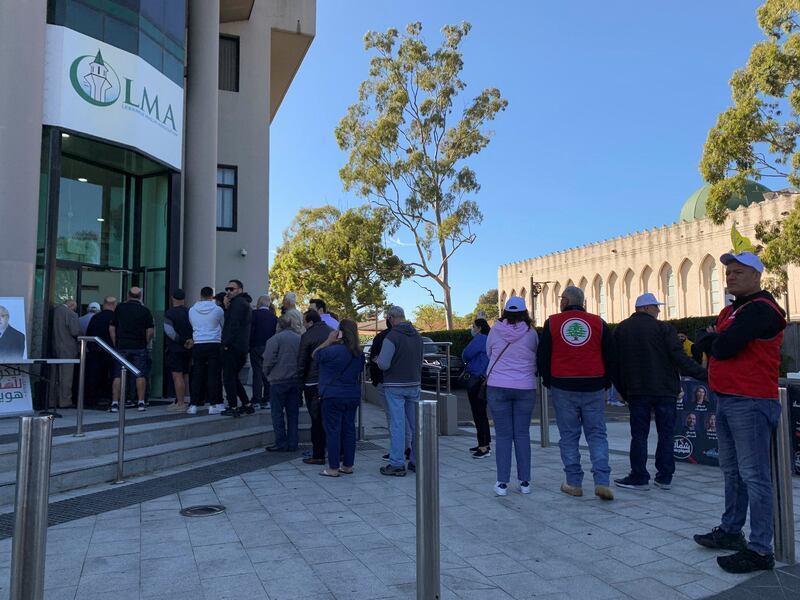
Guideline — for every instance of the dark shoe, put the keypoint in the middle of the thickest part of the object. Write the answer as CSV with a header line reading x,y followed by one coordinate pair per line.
x,y
664,485
393,471
230,412
722,540
275,449
481,453
746,561
631,484
408,453
412,467
248,409
314,461
385,456
475,449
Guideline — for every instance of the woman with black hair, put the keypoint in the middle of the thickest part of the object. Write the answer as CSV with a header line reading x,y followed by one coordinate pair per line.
x,y
341,363
475,363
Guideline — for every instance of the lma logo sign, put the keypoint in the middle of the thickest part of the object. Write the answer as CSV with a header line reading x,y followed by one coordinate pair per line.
x,y
96,82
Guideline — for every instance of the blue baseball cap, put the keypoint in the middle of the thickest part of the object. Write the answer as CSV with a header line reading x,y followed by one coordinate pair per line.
x,y
647,299
748,259
515,304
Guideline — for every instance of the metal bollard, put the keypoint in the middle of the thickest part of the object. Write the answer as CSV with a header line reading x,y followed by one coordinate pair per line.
x,y
781,463
426,448
123,380
30,508
544,417
81,391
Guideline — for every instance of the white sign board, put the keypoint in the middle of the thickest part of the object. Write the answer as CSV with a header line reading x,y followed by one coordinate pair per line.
x,y
15,392
96,88
12,329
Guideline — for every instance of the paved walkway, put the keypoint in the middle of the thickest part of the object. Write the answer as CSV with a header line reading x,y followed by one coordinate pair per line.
x,y
290,534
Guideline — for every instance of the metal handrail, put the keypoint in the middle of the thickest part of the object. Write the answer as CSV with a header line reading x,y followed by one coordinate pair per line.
x,y
126,366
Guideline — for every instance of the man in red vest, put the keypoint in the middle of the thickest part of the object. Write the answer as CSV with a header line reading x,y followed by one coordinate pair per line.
x,y
744,346
574,357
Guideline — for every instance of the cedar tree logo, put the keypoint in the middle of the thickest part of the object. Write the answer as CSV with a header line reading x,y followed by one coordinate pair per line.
x,y
576,331
95,80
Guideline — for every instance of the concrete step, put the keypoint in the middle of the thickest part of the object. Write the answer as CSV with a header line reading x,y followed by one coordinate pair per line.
x,y
91,460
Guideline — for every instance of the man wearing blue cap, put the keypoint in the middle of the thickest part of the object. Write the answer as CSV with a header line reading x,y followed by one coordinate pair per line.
x,y
650,360
744,348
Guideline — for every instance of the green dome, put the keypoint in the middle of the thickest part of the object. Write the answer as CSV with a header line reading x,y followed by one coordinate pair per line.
x,y
695,206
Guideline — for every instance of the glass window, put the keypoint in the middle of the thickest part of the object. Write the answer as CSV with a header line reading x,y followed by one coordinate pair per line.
x,y
151,51
601,300
155,195
713,289
669,286
229,63
122,35
226,198
173,68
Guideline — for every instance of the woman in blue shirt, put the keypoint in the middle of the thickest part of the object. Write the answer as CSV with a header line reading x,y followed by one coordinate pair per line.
x,y
476,361
341,364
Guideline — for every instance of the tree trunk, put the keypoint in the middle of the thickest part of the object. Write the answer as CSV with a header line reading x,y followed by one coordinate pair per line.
x,y
448,307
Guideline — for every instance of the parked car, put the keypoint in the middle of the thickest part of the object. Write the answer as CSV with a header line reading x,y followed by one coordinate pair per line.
x,y
434,363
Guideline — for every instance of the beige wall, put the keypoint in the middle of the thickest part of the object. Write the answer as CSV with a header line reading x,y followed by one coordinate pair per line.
x,y
641,262
244,119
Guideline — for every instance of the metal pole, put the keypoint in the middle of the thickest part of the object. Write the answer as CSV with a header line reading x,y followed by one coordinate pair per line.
x,y
783,508
360,428
123,379
81,391
30,508
544,417
427,456
447,371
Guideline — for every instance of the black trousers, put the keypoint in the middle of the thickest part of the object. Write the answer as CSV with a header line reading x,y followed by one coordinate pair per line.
x,y
232,362
477,402
314,406
98,378
260,383
205,374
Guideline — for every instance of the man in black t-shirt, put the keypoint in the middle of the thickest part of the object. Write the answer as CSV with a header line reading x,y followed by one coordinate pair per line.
x,y
99,363
131,330
178,331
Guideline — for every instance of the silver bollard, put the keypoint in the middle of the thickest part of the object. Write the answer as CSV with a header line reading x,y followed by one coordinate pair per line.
x,y
30,508
81,391
123,380
426,448
781,463
544,417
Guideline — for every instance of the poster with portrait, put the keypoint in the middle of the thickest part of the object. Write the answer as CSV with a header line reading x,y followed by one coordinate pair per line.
x,y
793,392
696,424
12,330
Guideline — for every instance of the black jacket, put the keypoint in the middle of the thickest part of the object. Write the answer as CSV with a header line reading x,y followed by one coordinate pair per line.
x,y
650,358
754,321
307,367
236,330
544,355
375,374
264,325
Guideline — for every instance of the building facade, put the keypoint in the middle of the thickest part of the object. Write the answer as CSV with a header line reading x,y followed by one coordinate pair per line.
x,y
679,263
135,147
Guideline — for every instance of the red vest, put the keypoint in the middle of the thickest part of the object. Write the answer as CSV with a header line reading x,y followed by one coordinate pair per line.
x,y
577,345
754,371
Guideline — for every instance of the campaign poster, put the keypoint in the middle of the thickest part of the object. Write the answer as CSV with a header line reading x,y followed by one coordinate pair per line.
x,y
793,391
15,392
13,345
696,424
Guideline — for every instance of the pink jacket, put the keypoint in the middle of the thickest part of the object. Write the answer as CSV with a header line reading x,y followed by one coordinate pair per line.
x,y
516,368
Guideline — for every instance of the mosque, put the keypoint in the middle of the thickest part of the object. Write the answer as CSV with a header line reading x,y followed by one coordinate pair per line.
x,y
679,263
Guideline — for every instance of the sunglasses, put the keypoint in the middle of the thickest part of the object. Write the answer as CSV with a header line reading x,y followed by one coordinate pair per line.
x,y
230,289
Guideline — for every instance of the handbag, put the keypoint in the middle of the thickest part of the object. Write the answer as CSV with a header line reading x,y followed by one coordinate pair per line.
x,y
486,378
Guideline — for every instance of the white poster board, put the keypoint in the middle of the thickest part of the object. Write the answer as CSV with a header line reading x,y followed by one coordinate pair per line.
x,y
15,392
96,88
13,346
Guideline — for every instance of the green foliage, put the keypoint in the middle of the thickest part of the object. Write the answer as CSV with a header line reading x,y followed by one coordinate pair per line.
x,y
488,304
338,256
429,316
757,137
489,297
407,147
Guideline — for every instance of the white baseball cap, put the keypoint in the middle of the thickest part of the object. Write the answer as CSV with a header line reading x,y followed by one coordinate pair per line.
x,y
94,307
515,304
647,299
748,259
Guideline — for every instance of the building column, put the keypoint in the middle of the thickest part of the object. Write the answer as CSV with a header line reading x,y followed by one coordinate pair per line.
x,y
22,46
200,143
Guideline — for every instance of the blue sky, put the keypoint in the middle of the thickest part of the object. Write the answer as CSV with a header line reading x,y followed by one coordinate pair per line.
x,y
609,106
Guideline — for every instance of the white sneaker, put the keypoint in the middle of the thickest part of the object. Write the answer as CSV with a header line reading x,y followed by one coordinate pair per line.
x,y
114,407
525,487
501,489
141,407
192,410
216,409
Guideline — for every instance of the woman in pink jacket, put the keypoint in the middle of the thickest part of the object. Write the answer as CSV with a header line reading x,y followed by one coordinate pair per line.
x,y
511,391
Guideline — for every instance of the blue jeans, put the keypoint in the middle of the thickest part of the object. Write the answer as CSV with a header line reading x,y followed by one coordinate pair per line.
x,y
285,396
744,428
400,402
576,411
640,409
511,411
339,420
387,412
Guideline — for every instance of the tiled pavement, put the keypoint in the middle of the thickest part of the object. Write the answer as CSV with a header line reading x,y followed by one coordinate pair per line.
x,y
290,534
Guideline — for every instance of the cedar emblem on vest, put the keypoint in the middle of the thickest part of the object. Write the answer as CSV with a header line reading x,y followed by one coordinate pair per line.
x,y
576,332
